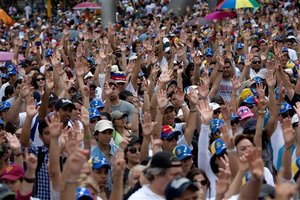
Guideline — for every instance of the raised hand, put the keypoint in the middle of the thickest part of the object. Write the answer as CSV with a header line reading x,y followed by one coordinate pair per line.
x,y
288,133
205,111
271,79
55,125
297,108
147,124
25,90
223,179
205,78
236,84
31,161
84,117
179,96
243,164
166,76
118,164
256,163
260,90
31,109
13,141
136,101
262,103
76,160
107,89
193,97
162,99
284,189
203,90
227,138
49,81
226,112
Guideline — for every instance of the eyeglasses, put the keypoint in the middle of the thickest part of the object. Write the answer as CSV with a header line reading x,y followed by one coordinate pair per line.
x,y
134,150
256,62
40,79
203,182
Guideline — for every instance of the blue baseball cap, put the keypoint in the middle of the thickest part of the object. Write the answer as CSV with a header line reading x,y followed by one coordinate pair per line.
x,y
48,52
250,100
257,80
93,113
241,60
182,151
1,122
284,49
239,46
205,40
215,124
4,105
285,107
233,116
96,104
11,70
83,192
218,147
99,162
4,76
209,52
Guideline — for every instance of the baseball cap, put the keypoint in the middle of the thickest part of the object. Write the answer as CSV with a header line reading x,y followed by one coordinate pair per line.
x,y
257,80
114,68
93,113
209,52
172,82
103,125
285,107
215,124
170,105
11,70
250,126
239,46
182,151
295,119
4,105
117,115
99,162
167,131
1,122
63,103
244,112
214,106
218,147
241,60
119,77
163,159
83,193
177,187
245,93
13,172
88,75
251,100
96,104
188,88
166,40
133,57
134,140
5,192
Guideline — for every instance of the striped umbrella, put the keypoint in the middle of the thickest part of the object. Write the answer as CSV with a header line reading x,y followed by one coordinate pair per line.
x,y
234,4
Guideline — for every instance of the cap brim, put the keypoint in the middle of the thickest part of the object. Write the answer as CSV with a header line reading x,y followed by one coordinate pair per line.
x,y
103,128
99,166
246,116
10,177
70,105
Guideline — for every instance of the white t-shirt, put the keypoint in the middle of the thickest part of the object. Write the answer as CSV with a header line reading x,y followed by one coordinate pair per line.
x,y
277,141
2,90
145,193
293,54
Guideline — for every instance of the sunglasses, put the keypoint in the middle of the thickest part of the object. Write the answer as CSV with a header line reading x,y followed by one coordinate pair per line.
x,y
134,150
203,182
40,79
256,62
235,121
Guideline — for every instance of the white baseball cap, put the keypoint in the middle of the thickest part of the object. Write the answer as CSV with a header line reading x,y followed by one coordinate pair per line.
x,y
214,106
295,119
103,125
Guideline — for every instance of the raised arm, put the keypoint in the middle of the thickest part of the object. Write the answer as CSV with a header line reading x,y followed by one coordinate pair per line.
x,y
29,178
15,146
85,120
297,109
135,118
162,104
45,98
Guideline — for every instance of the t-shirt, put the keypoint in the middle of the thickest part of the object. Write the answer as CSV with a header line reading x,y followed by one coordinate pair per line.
x,y
293,54
124,107
2,89
225,90
145,193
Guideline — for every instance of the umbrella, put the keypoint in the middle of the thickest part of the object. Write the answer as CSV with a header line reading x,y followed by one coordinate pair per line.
x,y
6,18
73,34
8,56
201,21
220,15
225,4
87,5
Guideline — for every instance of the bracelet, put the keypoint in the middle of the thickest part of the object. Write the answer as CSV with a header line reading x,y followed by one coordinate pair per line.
x,y
183,105
193,111
233,150
29,180
136,113
220,70
262,112
71,181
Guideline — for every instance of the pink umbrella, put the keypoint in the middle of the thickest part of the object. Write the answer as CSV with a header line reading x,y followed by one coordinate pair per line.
x,y
87,5
8,56
220,15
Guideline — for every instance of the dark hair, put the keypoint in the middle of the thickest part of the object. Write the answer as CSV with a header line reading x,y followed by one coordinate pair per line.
x,y
18,81
194,172
42,126
34,84
107,115
217,99
241,137
213,164
9,90
124,94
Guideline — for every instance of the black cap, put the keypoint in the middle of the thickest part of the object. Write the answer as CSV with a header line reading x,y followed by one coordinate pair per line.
x,y
250,126
63,103
134,140
177,187
164,159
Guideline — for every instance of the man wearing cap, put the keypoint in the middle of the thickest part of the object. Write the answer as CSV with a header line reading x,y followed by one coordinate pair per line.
x,y
163,168
184,154
100,172
13,75
181,188
104,148
116,104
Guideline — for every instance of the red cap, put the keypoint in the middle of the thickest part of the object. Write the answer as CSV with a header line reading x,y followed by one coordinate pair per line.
x,y
13,172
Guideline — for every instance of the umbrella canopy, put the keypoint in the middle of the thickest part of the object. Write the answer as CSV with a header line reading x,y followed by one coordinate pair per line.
x,y
194,21
87,5
73,34
9,56
6,18
234,4
220,15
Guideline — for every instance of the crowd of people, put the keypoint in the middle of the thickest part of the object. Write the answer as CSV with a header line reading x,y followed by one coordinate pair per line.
x,y
155,106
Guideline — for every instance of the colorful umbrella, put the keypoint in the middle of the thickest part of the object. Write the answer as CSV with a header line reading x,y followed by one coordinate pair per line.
x,y
87,5
6,18
237,4
220,15
8,56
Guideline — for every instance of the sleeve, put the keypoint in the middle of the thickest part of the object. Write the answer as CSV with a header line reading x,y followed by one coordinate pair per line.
x,y
183,141
277,142
130,112
268,177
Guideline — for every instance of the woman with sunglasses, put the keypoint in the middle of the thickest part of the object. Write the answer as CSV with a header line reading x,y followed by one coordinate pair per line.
x,y
38,83
119,120
199,177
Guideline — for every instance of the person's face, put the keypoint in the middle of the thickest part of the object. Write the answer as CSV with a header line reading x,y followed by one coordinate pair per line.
x,y
104,137
201,181
254,50
92,91
227,70
174,101
122,86
93,122
65,114
101,176
289,45
169,143
235,124
121,122
75,114
263,46
171,88
243,147
174,172
18,89
284,60
13,78
115,91
187,164
256,64
4,114
133,154
217,113
15,186
169,116
46,137
243,122
188,194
